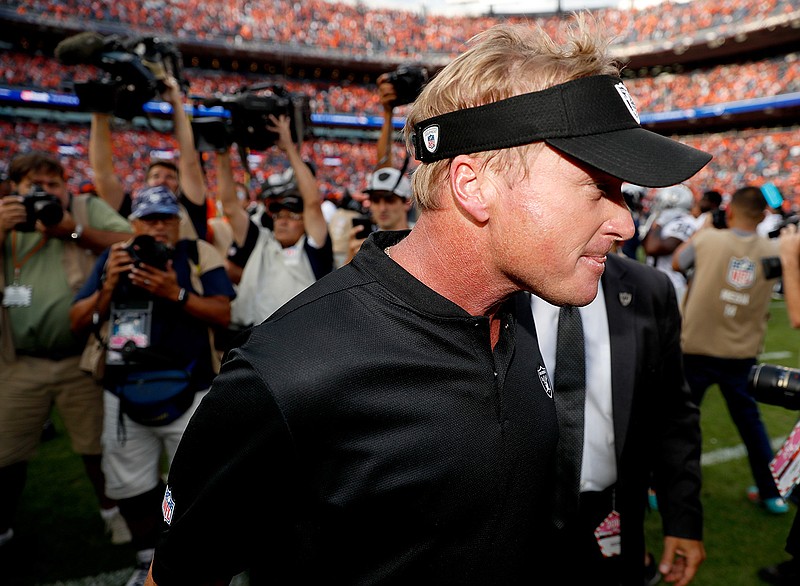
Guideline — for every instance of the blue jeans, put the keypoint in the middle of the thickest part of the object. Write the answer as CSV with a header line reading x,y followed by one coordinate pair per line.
x,y
731,376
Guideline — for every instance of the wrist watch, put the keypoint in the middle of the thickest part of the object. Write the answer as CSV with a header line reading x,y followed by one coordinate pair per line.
x,y
183,296
76,233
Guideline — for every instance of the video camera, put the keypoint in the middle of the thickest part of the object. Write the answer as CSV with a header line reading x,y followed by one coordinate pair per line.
x,y
250,108
40,205
775,385
408,81
135,70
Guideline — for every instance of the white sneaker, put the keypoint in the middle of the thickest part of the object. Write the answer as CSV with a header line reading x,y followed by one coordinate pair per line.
x,y
116,526
143,559
139,575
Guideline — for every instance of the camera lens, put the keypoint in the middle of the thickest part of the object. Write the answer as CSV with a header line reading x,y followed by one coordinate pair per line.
x,y
49,213
775,385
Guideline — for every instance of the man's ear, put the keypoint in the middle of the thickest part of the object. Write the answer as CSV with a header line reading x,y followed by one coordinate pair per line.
x,y
466,182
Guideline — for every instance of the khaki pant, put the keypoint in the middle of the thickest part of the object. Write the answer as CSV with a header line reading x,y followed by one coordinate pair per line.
x,y
29,387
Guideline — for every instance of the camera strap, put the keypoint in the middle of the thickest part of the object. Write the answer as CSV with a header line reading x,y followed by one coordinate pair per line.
x,y
402,172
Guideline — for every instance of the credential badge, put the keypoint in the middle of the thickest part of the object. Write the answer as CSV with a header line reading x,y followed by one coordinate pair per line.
x,y
545,380
628,100
431,138
625,298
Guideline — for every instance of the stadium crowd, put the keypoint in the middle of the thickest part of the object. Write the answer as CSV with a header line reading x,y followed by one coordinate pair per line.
x,y
335,169
740,157
665,92
351,29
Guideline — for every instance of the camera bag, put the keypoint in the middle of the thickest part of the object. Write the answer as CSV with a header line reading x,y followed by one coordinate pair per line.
x,y
156,397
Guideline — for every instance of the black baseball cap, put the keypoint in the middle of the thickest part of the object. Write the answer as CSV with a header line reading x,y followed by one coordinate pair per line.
x,y
592,119
290,202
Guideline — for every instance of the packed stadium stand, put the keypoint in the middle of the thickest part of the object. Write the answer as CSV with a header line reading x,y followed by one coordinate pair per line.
x,y
722,74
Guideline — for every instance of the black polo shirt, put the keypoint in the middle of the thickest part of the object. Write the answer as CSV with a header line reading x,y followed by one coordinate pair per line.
x,y
367,433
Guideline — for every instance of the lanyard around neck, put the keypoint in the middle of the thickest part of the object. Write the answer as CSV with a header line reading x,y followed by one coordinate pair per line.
x,y
18,264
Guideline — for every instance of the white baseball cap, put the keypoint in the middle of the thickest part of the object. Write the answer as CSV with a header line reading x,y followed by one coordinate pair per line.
x,y
391,180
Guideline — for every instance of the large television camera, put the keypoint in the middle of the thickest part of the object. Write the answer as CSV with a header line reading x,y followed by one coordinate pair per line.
x,y
250,108
135,70
775,385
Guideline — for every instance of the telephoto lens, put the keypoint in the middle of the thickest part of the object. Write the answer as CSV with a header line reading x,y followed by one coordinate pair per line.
x,y
775,385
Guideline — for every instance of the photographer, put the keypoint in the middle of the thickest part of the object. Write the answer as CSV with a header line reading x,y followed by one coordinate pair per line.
x,y
388,190
787,572
151,281
389,193
48,238
184,179
286,247
724,323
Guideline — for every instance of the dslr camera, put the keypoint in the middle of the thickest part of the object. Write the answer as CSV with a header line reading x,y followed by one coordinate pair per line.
x,y
250,108
775,385
135,70
144,249
408,81
40,205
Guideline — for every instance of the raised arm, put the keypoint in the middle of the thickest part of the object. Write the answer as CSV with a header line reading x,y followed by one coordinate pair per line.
x,y
226,192
313,220
192,182
108,185
387,95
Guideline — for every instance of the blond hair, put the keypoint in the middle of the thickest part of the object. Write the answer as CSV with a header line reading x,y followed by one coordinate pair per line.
x,y
504,61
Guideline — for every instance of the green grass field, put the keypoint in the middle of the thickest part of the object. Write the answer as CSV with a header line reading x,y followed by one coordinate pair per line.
x,y
60,535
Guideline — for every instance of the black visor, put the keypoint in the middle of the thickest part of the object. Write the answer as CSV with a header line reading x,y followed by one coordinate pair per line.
x,y
592,119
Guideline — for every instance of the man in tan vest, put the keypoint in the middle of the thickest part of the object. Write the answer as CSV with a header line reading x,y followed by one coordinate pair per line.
x,y
724,322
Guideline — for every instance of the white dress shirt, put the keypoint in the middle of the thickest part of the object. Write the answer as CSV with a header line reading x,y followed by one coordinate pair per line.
x,y
599,465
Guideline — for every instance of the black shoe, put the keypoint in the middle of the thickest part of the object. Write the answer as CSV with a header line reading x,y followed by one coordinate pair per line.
x,y
651,574
48,431
784,574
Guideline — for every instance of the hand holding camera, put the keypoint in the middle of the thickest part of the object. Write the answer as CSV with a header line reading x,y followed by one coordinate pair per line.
x,y
407,82
144,263
789,246
12,213
386,92
281,125
24,212
172,93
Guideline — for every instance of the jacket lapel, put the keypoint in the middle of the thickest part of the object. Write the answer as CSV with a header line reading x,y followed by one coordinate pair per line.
x,y
620,297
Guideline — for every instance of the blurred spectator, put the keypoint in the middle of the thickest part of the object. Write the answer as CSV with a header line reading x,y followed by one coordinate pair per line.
x,y
670,223
44,259
351,29
184,178
724,322
159,336
283,248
